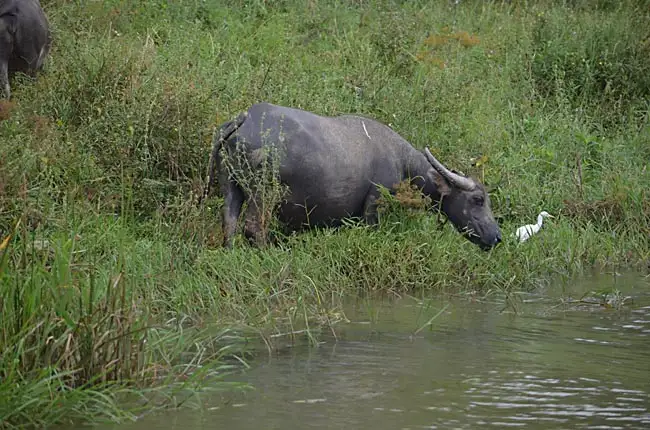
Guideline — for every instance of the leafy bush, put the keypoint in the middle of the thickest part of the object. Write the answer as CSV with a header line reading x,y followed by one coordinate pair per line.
x,y
594,59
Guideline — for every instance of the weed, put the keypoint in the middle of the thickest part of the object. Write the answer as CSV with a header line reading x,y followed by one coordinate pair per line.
x,y
257,173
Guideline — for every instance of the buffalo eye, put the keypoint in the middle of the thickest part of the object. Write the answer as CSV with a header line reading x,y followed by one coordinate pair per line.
x,y
479,201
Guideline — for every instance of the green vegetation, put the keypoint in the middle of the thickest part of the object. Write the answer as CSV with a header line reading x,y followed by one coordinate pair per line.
x,y
114,290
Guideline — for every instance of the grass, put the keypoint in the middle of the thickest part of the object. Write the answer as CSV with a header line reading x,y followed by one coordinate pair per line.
x,y
115,296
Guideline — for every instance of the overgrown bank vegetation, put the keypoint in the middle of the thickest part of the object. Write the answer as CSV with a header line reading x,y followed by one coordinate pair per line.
x,y
112,279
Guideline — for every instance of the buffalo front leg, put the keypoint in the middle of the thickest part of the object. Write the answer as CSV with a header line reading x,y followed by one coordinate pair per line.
x,y
232,203
6,49
370,214
4,77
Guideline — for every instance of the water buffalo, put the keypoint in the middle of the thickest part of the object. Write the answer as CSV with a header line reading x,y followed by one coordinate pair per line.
x,y
330,166
25,39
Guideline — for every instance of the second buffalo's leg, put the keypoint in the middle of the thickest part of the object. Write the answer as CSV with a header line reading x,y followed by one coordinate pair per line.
x,y
6,48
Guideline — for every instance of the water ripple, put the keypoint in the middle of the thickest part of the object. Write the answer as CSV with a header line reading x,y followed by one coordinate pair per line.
x,y
475,367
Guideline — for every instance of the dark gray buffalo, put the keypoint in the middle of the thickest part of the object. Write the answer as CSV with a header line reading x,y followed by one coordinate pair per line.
x,y
330,166
24,39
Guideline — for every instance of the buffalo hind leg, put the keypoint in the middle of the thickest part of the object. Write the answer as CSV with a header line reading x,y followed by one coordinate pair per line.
x,y
232,203
254,231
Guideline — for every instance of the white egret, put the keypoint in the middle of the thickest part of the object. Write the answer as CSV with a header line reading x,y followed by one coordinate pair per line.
x,y
526,231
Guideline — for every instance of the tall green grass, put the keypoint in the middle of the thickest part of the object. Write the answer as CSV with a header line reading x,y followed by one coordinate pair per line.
x,y
115,296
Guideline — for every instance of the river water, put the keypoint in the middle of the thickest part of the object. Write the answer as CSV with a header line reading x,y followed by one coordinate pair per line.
x,y
477,365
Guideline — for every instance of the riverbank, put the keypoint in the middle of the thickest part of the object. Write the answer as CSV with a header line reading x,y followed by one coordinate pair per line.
x,y
113,283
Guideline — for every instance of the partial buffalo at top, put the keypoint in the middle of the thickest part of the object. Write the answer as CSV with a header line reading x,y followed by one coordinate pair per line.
x,y
25,39
331,167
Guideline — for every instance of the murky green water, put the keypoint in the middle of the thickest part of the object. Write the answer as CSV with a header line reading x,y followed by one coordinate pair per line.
x,y
549,367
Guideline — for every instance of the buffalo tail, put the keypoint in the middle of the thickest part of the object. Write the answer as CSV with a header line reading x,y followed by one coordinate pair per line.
x,y
225,131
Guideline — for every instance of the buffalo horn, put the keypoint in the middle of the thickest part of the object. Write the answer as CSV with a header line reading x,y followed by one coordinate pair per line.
x,y
456,179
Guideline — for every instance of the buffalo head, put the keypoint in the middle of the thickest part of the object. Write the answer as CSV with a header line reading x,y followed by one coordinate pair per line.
x,y
467,206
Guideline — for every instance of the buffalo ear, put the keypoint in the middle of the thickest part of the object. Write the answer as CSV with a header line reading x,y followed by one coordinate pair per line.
x,y
442,185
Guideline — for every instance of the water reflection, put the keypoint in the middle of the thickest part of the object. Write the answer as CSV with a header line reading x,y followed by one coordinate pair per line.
x,y
474,367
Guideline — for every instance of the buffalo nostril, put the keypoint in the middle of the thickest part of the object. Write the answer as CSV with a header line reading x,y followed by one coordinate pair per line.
x,y
497,239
